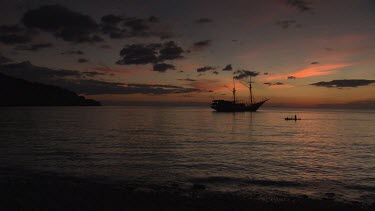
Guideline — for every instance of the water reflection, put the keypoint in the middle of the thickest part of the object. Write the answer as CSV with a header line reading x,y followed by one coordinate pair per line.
x,y
326,150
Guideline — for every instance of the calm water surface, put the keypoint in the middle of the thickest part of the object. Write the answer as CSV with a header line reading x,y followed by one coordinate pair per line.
x,y
329,151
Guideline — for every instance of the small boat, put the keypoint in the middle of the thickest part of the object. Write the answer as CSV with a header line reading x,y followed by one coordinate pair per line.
x,y
292,118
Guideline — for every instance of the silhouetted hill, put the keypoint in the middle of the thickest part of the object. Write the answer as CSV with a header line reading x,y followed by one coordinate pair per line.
x,y
18,92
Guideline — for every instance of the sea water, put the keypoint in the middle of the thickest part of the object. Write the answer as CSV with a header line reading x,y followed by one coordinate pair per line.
x,y
329,153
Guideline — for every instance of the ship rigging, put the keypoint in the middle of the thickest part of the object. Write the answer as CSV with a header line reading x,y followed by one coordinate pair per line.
x,y
234,106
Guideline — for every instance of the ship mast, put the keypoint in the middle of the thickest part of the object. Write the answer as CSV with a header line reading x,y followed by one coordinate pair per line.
x,y
251,92
251,99
233,91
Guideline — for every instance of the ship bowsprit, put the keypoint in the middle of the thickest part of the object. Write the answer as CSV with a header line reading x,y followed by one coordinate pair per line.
x,y
255,106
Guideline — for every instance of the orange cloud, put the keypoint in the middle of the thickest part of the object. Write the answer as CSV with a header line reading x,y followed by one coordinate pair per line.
x,y
310,71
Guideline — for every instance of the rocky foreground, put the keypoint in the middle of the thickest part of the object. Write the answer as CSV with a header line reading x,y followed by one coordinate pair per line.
x,y
25,190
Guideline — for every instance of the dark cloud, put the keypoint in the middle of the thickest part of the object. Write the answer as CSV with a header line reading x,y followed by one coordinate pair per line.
x,y
77,82
15,34
111,19
274,84
138,54
8,29
301,5
153,19
147,27
72,52
314,62
201,44
156,89
241,74
162,67
14,39
344,83
4,60
63,23
151,53
114,32
137,26
95,87
110,25
203,20
93,74
291,77
102,67
166,35
205,69
170,51
82,60
33,47
118,27
187,79
228,68
27,71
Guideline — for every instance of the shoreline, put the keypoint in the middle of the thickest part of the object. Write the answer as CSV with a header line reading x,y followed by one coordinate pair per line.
x,y
25,190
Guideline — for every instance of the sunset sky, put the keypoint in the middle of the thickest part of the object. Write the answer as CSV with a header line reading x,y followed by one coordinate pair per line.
x,y
119,51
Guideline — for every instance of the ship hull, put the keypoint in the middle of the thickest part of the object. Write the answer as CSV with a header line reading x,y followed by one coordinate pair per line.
x,y
228,106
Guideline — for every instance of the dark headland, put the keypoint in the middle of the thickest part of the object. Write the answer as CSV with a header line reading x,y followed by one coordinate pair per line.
x,y
19,92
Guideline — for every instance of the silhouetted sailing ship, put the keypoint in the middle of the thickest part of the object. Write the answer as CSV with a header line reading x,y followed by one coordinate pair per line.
x,y
234,106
